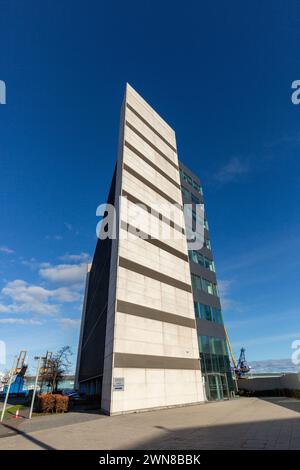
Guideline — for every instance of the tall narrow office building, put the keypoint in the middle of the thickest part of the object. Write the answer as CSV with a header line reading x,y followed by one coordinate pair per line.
x,y
138,343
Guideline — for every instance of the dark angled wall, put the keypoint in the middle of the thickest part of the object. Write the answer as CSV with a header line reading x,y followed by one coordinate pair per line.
x,y
93,338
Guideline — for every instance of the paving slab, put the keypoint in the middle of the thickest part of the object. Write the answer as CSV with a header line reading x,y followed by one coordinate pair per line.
x,y
244,423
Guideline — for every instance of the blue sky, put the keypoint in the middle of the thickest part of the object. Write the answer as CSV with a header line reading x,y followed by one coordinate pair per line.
x,y
220,73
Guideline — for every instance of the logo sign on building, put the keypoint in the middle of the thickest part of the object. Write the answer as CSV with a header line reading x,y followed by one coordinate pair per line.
x,y
118,384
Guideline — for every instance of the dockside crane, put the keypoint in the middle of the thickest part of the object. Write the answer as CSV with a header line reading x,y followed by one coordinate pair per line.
x,y
241,368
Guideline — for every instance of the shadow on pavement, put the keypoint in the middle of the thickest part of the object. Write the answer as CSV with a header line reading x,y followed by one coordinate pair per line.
x,y
289,403
30,438
275,434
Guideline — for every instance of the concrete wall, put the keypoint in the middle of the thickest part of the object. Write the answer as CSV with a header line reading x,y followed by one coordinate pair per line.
x,y
259,384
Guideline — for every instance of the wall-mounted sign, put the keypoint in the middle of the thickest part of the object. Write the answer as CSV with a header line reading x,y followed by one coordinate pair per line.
x,y
118,384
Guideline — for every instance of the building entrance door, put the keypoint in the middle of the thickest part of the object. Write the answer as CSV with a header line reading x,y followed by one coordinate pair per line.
x,y
217,386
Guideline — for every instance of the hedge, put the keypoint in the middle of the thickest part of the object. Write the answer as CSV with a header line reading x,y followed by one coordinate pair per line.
x,y
61,403
50,403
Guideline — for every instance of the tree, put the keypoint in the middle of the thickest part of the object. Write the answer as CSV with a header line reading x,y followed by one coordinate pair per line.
x,y
4,378
56,368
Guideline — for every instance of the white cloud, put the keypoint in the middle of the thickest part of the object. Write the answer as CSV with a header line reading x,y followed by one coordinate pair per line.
x,y
274,365
54,237
4,308
69,226
6,250
29,298
224,287
81,257
232,170
19,321
65,273
21,291
268,339
34,264
65,294
69,322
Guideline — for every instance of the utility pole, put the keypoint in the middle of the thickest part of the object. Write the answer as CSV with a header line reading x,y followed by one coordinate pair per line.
x,y
11,374
39,358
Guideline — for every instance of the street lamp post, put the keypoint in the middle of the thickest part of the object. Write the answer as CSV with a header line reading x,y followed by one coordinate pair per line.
x,y
39,358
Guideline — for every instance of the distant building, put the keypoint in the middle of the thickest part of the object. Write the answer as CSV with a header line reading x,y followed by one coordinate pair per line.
x,y
66,383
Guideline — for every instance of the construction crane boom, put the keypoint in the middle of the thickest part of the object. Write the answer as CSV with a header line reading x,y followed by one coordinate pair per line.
x,y
230,349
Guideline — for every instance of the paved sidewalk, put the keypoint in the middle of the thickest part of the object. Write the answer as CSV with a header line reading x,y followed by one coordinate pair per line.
x,y
2,404
245,423
13,426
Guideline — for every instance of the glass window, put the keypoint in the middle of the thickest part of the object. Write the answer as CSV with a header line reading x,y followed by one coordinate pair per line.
x,y
203,284
214,363
189,179
207,312
217,315
207,286
196,282
206,263
207,244
193,183
204,344
195,199
217,346
185,192
197,306
198,258
196,186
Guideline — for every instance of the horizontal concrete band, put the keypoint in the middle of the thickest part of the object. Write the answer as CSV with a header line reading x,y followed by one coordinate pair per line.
x,y
150,163
149,209
210,328
95,377
154,241
203,272
150,185
143,361
206,299
206,252
144,271
151,127
156,149
154,314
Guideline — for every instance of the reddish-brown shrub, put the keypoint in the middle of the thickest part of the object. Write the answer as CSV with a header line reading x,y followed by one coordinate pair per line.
x,y
61,403
46,403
